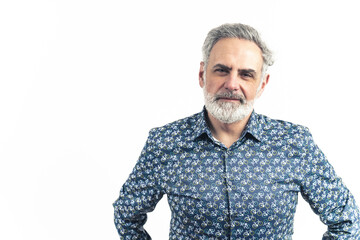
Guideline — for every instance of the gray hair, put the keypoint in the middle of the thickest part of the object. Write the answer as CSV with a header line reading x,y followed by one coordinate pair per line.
x,y
241,31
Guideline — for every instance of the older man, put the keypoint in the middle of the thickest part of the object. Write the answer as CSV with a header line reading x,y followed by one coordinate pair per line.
x,y
228,172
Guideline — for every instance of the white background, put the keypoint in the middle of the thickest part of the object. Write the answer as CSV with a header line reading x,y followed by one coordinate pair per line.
x,y
82,83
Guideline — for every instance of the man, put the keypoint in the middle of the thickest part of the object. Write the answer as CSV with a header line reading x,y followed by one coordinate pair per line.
x,y
228,172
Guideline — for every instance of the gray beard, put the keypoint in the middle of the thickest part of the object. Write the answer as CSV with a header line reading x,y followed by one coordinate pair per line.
x,y
227,112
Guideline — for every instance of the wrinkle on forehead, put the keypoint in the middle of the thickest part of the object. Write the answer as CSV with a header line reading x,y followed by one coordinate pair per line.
x,y
237,54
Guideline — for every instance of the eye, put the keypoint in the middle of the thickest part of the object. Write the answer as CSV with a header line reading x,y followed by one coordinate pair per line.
x,y
247,75
221,71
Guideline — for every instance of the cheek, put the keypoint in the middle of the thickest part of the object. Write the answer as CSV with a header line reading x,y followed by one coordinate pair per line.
x,y
249,92
211,88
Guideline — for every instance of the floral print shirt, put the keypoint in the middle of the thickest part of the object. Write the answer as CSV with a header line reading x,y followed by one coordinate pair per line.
x,y
247,191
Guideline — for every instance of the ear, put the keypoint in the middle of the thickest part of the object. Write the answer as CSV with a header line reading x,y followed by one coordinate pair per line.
x,y
263,85
201,75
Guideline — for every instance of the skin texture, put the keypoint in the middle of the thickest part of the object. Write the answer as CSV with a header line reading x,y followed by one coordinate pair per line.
x,y
234,66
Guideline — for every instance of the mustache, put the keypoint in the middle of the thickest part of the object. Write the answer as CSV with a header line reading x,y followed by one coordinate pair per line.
x,y
237,96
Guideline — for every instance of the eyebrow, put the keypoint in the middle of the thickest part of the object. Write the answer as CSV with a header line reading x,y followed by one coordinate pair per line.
x,y
248,70
222,66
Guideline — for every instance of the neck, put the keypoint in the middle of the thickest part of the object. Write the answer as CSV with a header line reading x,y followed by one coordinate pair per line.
x,y
227,133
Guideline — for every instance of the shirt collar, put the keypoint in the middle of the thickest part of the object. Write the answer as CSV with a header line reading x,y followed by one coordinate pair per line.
x,y
254,126
201,126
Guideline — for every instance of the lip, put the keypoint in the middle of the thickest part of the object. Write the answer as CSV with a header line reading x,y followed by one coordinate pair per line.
x,y
229,99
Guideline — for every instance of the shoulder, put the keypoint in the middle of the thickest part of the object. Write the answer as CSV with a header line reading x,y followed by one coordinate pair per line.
x,y
181,128
274,128
291,138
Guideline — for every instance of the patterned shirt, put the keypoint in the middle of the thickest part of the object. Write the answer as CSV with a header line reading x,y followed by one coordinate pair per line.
x,y
247,191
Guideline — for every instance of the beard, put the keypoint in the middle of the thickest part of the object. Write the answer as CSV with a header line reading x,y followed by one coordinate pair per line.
x,y
227,112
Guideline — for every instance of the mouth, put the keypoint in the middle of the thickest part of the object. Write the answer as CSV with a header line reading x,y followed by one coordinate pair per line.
x,y
229,99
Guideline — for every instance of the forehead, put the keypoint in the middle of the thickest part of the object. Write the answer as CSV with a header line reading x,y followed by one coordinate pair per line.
x,y
236,52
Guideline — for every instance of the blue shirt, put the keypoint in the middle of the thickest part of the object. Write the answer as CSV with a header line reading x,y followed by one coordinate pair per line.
x,y
247,191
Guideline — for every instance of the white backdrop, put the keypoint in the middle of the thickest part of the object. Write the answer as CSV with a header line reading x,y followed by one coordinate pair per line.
x,y
82,83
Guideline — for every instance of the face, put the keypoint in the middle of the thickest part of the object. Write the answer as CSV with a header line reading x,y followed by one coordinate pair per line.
x,y
233,79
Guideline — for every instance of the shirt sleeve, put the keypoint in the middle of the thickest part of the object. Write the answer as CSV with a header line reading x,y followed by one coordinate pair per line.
x,y
328,196
138,196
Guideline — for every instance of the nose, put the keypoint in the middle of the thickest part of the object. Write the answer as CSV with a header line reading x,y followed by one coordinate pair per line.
x,y
232,83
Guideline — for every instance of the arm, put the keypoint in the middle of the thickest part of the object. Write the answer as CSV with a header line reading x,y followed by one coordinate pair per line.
x,y
328,196
138,196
